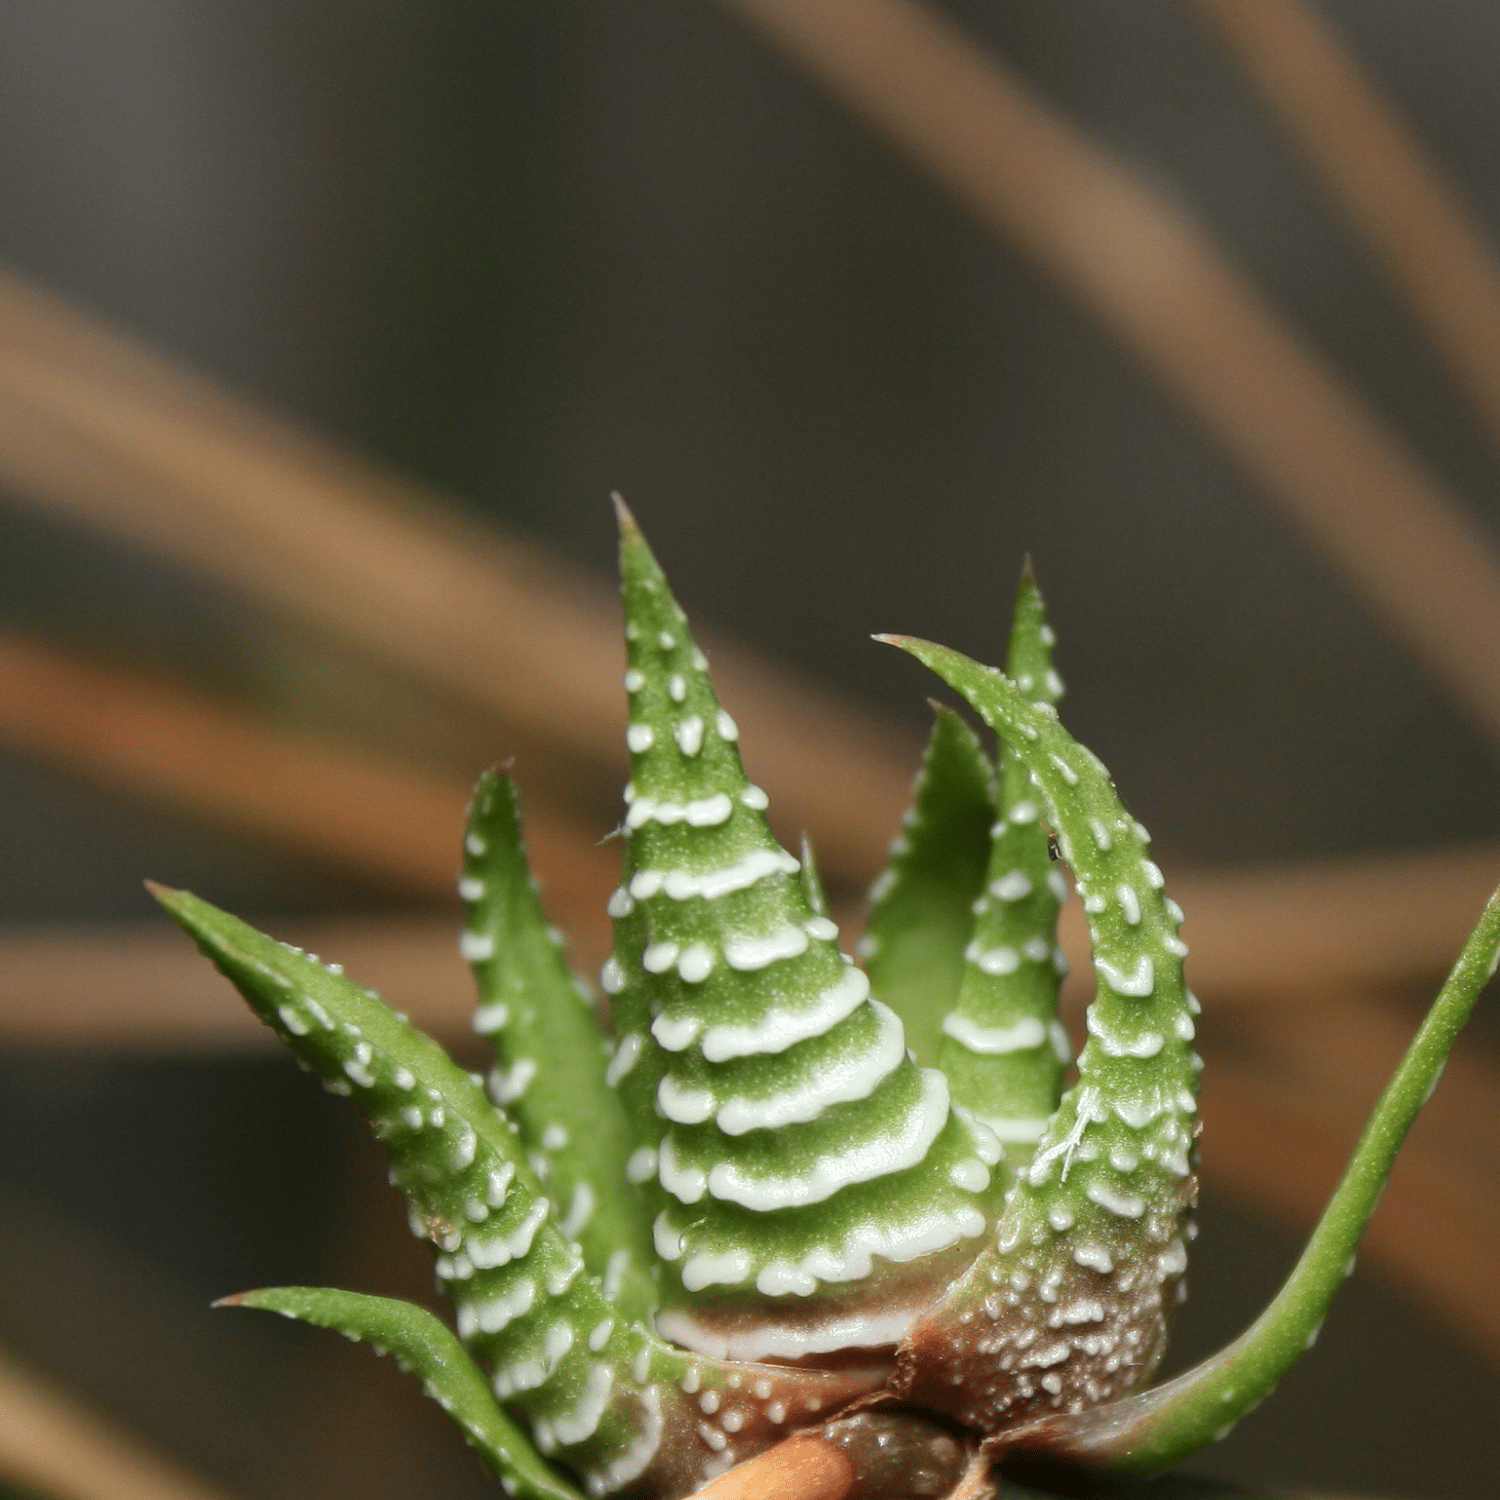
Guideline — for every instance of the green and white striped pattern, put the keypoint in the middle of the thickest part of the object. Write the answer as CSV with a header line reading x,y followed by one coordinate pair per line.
x,y
550,1052
603,1394
1003,1049
1068,1308
811,1185
758,1146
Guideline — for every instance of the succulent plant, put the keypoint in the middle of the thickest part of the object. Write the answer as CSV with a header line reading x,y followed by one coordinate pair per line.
x,y
871,1245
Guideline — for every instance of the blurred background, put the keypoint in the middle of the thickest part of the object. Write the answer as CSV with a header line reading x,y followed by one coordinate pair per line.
x,y
467,267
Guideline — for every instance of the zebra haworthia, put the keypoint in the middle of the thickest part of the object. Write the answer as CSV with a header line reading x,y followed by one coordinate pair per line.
x,y
811,1187
754,1212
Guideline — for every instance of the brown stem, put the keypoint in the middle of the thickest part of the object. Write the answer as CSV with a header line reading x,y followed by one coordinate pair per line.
x,y
805,1467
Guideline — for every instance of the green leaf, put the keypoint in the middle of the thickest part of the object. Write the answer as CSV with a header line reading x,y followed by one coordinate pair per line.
x,y
550,1052
923,916
793,1153
1150,1431
558,1349
600,1391
1096,1221
429,1349
1003,1048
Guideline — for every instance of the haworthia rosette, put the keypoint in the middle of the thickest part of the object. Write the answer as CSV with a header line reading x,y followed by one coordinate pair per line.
x,y
1004,1050
611,1400
811,1190
550,1052
922,905
811,1183
1069,1307
428,1348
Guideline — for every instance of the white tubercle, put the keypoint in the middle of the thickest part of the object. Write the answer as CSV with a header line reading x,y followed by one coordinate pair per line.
x,y
1139,982
634,681
1125,1205
752,796
749,953
696,963
1015,1129
994,1040
685,1182
766,1340
676,1033
580,1210
682,1103
689,734
931,1230
702,812
508,1084
582,1420
677,687
887,1153
1061,1043
681,885
1000,960
840,1082
659,957
779,1028
627,1054
641,1165
728,1268
499,1312
1012,886
476,946
728,729
491,1017
636,1459
639,737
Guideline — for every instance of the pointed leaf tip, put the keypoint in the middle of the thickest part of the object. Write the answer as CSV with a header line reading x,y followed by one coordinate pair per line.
x,y
623,515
